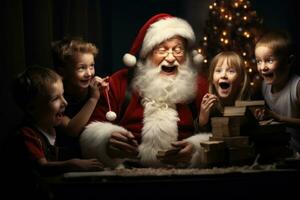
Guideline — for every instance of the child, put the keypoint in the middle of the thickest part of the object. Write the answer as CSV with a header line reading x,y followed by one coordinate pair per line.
x,y
39,93
280,87
228,82
74,61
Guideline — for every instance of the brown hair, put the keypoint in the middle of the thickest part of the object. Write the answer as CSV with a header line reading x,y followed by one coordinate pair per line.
x,y
65,51
233,60
33,82
279,41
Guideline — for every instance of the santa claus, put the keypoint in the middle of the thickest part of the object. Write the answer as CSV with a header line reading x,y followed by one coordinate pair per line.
x,y
152,103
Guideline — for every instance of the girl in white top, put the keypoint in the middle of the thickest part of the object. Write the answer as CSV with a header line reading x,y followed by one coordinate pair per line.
x,y
281,87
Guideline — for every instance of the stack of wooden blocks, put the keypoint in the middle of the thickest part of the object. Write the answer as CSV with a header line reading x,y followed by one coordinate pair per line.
x,y
227,129
214,153
230,146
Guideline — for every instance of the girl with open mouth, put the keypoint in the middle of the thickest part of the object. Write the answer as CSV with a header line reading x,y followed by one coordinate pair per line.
x,y
228,82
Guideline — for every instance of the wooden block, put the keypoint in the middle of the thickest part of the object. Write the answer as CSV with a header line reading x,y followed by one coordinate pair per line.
x,y
169,152
225,126
210,158
249,103
237,141
241,155
213,145
234,111
220,126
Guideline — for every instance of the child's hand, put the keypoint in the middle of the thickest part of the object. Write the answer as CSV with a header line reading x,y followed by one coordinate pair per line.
x,y
98,84
265,114
208,101
85,164
259,114
104,83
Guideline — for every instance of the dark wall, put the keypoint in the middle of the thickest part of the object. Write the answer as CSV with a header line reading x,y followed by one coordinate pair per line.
x,y
284,15
127,17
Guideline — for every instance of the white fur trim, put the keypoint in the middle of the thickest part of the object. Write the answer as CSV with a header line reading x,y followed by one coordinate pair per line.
x,y
129,60
195,140
159,131
165,29
93,142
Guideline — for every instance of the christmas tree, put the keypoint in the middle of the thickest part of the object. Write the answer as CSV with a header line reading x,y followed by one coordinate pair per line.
x,y
232,25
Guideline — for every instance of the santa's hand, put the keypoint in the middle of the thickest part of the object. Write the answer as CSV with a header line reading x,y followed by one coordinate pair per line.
x,y
182,155
122,145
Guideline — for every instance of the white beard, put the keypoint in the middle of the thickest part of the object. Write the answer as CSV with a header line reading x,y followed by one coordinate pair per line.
x,y
150,84
159,97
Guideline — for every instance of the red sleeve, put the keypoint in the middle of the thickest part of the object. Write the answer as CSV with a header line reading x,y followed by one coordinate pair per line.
x,y
33,143
117,88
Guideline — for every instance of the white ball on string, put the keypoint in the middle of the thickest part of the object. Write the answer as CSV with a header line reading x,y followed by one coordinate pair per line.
x,y
111,116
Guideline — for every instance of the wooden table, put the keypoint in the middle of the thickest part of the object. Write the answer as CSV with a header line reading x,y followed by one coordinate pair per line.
x,y
217,183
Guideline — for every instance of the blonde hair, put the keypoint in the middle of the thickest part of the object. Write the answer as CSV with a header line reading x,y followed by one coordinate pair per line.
x,y
65,51
233,60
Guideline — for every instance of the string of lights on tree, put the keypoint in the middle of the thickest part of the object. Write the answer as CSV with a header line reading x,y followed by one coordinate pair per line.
x,y
232,25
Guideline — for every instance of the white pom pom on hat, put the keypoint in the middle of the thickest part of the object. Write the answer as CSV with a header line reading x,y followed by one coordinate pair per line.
x,y
129,60
157,29
197,57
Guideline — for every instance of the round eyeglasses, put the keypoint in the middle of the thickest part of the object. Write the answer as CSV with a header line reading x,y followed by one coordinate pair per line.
x,y
176,52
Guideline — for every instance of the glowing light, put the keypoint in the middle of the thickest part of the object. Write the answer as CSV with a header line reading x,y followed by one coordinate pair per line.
x,y
246,34
244,53
205,60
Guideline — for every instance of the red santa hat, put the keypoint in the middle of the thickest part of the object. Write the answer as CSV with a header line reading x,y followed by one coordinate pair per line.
x,y
156,30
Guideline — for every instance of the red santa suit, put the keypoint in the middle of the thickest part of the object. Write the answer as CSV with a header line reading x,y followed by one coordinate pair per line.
x,y
155,125
132,119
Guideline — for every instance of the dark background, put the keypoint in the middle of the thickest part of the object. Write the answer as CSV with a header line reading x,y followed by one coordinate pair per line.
x,y
29,26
